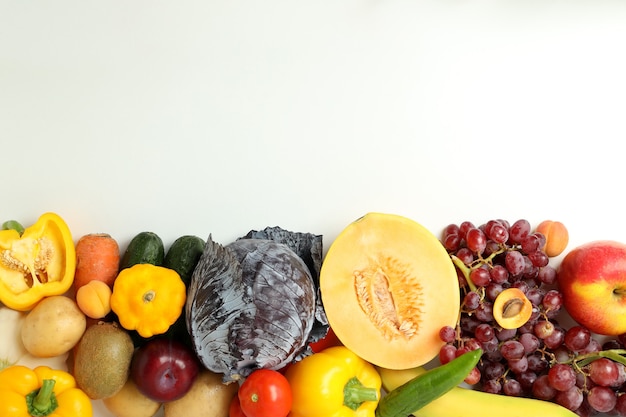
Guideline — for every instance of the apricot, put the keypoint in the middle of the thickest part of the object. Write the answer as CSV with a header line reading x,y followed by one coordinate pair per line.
x,y
557,237
94,299
511,308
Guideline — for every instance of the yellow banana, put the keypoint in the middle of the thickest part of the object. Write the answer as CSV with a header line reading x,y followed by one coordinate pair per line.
x,y
459,402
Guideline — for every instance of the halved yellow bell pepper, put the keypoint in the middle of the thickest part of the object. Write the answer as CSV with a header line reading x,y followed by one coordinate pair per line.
x,y
41,392
334,383
148,298
38,263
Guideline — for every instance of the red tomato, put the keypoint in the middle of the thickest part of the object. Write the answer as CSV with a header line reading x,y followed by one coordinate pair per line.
x,y
327,341
235,408
265,393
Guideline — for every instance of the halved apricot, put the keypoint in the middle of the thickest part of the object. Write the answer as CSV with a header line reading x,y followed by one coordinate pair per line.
x,y
511,308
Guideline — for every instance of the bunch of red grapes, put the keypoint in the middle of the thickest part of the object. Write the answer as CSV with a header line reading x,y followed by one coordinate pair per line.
x,y
543,358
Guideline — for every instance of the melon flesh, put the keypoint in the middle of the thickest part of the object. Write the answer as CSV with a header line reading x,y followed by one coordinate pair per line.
x,y
388,286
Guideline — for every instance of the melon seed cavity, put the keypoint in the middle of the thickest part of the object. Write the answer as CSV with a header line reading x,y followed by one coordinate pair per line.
x,y
390,298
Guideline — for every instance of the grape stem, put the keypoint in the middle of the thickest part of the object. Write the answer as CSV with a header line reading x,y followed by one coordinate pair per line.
x,y
466,270
613,354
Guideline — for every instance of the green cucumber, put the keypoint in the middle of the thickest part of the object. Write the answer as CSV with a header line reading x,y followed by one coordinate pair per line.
x,y
421,390
144,248
183,255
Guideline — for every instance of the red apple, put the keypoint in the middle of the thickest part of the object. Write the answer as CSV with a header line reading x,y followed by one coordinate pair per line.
x,y
592,279
164,369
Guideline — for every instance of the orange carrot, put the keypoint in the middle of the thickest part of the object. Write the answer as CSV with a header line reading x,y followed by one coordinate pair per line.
x,y
97,258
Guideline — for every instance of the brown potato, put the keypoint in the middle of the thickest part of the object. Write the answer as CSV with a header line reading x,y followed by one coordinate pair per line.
x,y
208,397
53,327
130,402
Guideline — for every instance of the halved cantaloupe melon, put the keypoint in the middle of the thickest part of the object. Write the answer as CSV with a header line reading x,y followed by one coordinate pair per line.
x,y
388,286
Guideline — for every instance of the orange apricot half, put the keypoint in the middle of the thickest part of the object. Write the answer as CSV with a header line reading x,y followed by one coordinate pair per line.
x,y
512,309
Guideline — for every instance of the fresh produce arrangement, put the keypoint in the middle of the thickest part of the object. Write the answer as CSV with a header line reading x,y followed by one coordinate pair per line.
x,y
393,321
512,304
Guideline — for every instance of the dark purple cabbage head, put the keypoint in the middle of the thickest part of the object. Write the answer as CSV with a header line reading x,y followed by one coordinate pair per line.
x,y
250,305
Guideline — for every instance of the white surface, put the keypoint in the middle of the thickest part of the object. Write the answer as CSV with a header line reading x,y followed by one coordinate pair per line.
x,y
224,116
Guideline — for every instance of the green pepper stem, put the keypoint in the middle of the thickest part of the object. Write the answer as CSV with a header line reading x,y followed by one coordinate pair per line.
x,y
14,225
355,394
42,401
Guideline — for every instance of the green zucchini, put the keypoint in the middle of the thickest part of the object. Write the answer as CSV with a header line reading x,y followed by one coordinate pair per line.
x,y
144,248
421,390
183,255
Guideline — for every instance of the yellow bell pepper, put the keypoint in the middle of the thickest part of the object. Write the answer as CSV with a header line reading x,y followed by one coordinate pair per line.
x,y
334,383
148,298
37,263
41,392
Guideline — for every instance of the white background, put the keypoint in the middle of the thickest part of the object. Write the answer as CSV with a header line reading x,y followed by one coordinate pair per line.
x,y
217,117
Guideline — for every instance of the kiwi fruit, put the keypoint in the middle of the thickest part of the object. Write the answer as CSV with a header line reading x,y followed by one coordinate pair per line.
x,y
101,360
